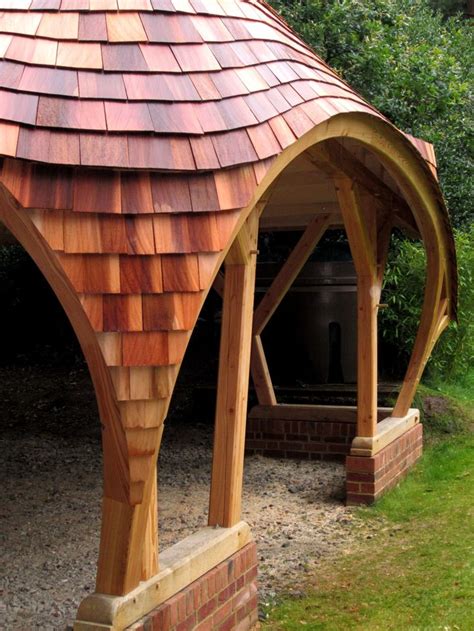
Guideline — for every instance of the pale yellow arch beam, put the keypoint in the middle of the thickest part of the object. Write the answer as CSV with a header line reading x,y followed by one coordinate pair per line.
x,y
421,191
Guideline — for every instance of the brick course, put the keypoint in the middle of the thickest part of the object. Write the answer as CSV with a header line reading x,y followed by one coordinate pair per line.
x,y
301,440
367,478
224,599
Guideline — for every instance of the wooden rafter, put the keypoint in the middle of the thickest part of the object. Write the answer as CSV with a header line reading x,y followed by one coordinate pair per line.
x,y
334,159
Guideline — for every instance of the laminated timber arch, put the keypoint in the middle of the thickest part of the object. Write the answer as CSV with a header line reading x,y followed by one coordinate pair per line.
x,y
421,191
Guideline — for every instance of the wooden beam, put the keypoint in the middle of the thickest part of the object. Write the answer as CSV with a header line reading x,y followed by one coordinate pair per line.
x,y
150,543
367,371
295,221
320,413
290,270
333,158
180,565
384,234
262,380
360,222
388,430
432,323
232,389
360,227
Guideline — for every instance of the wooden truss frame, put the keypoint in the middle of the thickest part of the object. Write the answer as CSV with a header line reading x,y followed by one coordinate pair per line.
x,y
128,548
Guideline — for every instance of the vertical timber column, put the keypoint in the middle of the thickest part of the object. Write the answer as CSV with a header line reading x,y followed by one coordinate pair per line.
x,y
367,369
234,367
361,227
128,550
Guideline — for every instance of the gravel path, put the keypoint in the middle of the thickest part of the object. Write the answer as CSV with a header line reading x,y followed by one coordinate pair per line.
x,y
50,513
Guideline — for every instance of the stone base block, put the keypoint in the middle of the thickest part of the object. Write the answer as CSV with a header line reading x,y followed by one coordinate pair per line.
x,y
223,599
369,477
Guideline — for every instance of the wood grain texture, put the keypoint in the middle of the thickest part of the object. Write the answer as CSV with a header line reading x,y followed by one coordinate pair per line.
x,y
234,362
361,228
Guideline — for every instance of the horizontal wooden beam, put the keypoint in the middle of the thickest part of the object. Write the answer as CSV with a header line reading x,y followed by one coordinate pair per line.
x,y
388,430
296,221
180,565
299,412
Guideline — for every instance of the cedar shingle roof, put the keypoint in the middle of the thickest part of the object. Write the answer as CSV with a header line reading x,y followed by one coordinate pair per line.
x,y
148,84
180,107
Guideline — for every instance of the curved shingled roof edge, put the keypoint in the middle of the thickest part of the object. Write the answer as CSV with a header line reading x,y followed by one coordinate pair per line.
x,y
160,84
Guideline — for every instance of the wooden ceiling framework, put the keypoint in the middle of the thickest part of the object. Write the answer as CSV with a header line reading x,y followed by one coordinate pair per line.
x,y
142,144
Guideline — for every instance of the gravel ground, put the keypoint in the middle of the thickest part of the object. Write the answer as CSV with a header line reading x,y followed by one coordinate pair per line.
x,y
50,510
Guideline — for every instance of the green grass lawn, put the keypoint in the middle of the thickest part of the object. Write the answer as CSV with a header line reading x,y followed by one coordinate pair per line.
x,y
416,572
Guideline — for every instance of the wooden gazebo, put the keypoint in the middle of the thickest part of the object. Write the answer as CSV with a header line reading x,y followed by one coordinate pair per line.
x,y
143,143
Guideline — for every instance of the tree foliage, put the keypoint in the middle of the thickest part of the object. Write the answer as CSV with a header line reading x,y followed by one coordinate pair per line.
x,y
414,65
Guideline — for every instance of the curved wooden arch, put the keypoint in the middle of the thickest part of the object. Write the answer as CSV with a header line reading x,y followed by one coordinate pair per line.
x,y
423,195
116,478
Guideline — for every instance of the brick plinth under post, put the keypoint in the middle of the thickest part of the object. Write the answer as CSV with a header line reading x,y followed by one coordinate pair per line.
x,y
369,477
223,599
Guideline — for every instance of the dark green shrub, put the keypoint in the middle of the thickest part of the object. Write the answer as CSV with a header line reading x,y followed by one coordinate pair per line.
x,y
453,356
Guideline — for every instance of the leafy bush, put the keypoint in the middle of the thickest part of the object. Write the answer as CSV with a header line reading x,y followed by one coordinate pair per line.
x,y
453,356
412,64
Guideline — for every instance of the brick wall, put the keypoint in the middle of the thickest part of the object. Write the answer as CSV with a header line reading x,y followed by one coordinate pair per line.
x,y
369,477
224,599
285,436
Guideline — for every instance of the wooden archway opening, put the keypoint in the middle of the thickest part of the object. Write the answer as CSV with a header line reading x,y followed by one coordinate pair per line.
x,y
420,207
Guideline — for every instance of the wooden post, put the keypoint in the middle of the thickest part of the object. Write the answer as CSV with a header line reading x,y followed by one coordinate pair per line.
x,y
128,541
366,357
361,230
150,543
232,389
275,294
